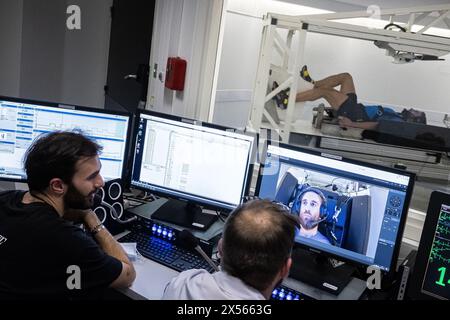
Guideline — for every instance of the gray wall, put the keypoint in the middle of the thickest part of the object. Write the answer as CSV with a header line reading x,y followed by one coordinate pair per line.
x,y
86,55
10,35
42,49
41,59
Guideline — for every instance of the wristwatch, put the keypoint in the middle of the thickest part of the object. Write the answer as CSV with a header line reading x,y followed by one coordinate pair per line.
x,y
97,228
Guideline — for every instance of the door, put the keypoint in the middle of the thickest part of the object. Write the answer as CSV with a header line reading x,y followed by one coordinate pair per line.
x,y
129,54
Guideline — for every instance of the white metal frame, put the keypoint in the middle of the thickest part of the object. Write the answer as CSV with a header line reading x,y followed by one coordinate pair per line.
x,y
395,41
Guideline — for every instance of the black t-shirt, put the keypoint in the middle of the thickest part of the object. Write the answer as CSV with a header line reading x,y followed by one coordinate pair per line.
x,y
40,254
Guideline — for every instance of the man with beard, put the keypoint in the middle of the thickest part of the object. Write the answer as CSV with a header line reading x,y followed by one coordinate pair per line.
x,y
255,251
312,209
45,255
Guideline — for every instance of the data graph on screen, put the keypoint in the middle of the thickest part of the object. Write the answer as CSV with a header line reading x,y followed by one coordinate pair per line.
x,y
437,275
203,164
21,123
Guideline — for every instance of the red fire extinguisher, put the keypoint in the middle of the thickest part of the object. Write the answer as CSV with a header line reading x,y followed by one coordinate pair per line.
x,y
175,73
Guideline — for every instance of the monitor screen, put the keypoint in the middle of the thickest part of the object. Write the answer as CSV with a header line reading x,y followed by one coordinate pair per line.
x,y
198,162
351,210
431,276
22,121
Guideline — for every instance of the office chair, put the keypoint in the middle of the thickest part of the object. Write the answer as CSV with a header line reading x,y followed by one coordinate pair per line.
x,y
357,238
286,189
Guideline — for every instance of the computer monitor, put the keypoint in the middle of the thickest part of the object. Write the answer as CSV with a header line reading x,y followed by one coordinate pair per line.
x,y
22,121
431,275
192,163
349,210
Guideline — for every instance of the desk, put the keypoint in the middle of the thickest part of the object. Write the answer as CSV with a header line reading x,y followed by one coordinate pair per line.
x,y
151,279
352,291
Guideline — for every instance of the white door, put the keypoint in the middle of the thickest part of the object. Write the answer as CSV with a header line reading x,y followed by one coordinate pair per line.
x,y
188,29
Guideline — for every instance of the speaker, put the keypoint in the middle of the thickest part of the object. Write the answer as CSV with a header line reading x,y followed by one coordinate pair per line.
x,y
112,194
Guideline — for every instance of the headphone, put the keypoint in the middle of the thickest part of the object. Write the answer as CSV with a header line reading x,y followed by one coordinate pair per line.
x,y
323,207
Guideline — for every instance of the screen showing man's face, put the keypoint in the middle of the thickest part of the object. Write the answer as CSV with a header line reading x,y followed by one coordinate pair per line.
x,y
310,209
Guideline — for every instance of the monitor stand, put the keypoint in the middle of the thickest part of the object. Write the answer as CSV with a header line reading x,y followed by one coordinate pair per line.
x,y
316,269
184,214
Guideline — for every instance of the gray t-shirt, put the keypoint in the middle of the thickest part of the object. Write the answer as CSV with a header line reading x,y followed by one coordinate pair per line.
x,y
318,237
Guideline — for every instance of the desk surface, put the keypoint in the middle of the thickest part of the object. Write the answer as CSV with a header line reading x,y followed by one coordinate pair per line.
x,y
151,279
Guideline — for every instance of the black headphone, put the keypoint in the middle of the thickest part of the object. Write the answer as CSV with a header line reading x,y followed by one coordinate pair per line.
x,y
323,207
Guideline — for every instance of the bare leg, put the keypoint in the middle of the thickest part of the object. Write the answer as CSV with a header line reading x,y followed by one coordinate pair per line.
x,y
344,80
334,98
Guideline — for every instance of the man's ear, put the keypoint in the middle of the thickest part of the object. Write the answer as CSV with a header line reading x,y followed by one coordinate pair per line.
x,y
284,272
57,186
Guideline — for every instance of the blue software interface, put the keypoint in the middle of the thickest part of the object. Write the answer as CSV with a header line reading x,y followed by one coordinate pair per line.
x,y
21,123
349,210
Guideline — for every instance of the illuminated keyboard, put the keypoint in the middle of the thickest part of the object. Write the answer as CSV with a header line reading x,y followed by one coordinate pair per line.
x,y
284,293
166,252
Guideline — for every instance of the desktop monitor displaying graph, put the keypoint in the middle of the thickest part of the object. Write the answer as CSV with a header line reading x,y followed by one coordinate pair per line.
x,y
431,276
22,121
192,163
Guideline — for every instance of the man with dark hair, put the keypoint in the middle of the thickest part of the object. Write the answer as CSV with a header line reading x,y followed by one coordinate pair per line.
x,y
311,206
255,252
45,255
344,101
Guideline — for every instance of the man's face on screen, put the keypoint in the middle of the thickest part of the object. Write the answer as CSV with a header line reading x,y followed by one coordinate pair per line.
x,y
310,209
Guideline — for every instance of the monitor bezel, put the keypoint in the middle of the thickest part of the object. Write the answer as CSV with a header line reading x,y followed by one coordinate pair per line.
x,y
74,107
198,123
320,251
437,199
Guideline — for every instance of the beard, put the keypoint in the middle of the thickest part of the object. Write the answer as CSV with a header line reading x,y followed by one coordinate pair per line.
x,y
307,222
76,200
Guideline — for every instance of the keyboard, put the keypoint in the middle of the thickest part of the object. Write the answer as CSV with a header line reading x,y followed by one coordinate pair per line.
x,y
284,293
166,252
159,243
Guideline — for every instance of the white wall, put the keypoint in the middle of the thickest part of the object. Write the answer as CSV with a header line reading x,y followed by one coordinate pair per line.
x,y
423,85
186,29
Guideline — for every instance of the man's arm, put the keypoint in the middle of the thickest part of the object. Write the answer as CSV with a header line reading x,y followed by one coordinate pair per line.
x,y
366,125
112,248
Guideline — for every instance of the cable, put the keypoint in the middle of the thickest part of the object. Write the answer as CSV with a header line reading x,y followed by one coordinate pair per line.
x,y
114,215
394,25
218,214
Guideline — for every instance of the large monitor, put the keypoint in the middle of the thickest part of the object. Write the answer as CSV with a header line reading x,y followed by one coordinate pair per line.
x,y
198,163
348,210
22,121
431,275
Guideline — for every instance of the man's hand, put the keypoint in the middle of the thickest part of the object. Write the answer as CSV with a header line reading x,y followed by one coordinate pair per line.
x,y
345,122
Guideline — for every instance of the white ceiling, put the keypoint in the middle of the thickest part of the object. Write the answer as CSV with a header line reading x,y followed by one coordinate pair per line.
x,y
384,4
350,5
362,5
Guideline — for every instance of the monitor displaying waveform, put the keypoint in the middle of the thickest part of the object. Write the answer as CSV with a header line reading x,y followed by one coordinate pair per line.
x,y
436,281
